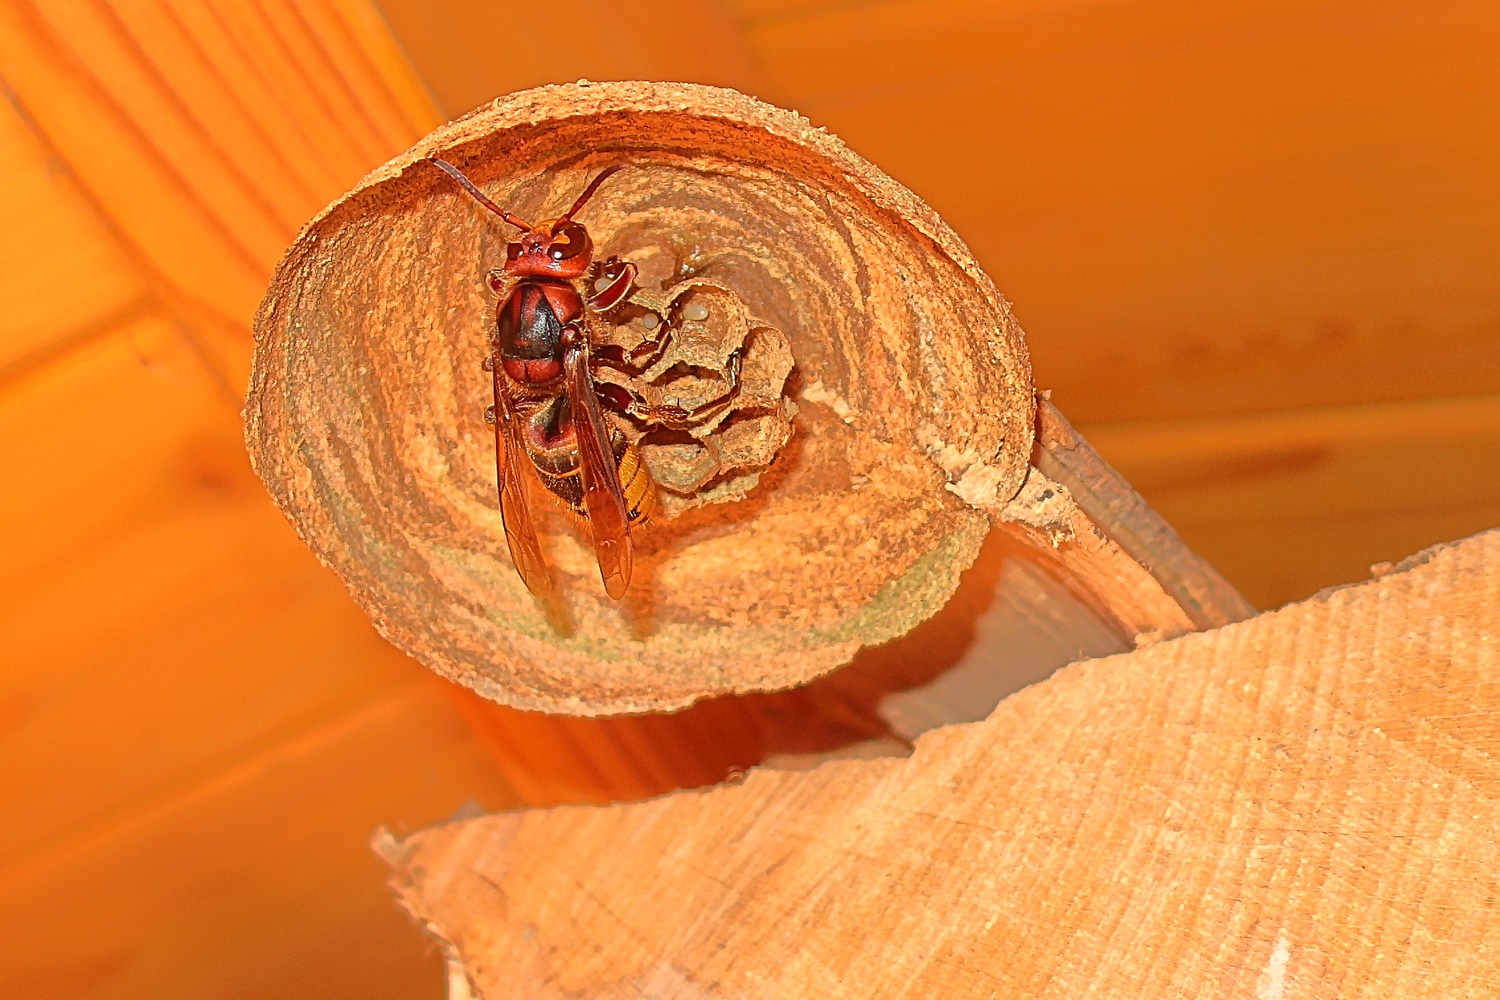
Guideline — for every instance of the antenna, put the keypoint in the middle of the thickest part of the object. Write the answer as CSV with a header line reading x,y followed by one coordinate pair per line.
x,y
484,200
588,192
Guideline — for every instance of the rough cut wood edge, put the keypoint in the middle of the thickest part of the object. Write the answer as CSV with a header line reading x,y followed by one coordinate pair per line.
x,y
916,421
1300,805
1109,502
1118,577
1101,540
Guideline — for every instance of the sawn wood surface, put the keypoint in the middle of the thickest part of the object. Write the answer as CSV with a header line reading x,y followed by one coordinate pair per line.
x,y
1299,805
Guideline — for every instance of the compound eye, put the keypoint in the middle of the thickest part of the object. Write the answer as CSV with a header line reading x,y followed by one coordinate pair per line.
x,y
512,251
568,241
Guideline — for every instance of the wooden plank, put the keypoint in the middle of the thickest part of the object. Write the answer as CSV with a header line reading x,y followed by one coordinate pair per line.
x,y
191,129
149,189
552,759
1278,560
1285,504
59,273
759,11
1013,621
468,52
278,40
103,436
163,73
1102,493
1196,208
367,30
161,618
197,730
257,882
277,108
1299,805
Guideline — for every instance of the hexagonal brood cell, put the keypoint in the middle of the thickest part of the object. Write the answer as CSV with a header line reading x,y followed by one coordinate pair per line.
x,y
718,362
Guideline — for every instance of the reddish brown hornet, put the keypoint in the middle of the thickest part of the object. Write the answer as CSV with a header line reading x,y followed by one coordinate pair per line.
x,y
547,413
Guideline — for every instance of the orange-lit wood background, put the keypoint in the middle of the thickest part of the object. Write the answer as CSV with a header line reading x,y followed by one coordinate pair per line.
x,y
1255,245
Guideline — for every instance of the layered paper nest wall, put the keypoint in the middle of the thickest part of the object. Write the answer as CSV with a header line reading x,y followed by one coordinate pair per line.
x,y
911,387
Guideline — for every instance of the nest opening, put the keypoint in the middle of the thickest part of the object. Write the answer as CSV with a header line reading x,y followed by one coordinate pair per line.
x,y
832,337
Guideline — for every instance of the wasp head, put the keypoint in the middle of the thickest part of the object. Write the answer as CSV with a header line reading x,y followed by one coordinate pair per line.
x,y
557,248
560,248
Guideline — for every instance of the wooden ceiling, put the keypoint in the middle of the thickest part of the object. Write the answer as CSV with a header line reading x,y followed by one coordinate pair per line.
x,y
1256,248
1235,227
198,731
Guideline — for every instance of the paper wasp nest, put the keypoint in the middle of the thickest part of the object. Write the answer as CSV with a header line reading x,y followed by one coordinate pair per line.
x,y
884,406
721,457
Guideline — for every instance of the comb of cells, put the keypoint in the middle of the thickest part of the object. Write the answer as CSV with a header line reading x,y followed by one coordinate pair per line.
x,y
720,360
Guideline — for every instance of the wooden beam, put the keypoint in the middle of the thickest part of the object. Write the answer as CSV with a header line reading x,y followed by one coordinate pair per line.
x,y
1302,804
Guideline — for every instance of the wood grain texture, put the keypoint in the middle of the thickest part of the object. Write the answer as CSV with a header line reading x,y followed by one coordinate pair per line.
x,y
1300,805
172,624
1293,502
202,137
52,243
197,730
1104,496
1268,206
466,49
1197,210
253,880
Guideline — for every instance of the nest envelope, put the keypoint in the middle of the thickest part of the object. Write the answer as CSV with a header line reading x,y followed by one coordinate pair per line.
x,y
884,411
